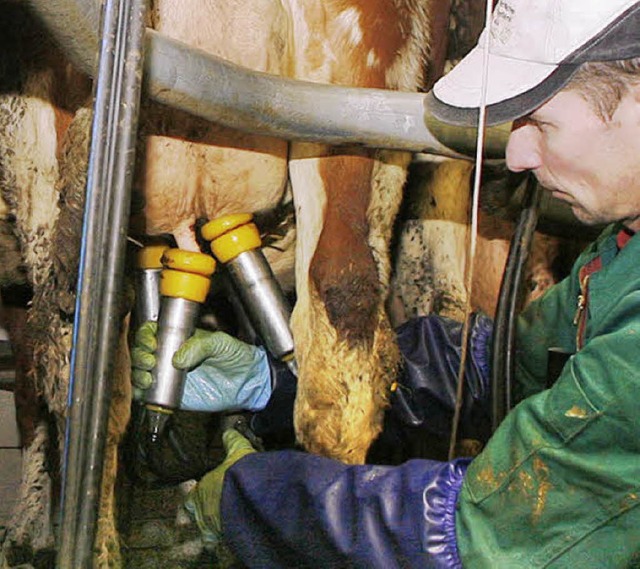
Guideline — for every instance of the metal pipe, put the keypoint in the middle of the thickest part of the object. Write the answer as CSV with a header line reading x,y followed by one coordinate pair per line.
x,y
147,279
264,301
147,295
235,242
503,349
209,87
176,324
184,285
96,328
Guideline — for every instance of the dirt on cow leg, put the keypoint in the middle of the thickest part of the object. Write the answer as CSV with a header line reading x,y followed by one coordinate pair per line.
x,y
107,545
340,418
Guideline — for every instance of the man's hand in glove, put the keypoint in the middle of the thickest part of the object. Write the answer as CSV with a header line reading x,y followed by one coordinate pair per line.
x,y
204,500
223,373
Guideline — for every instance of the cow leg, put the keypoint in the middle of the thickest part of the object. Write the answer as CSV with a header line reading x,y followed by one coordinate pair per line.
x,y
345,205
107,544
346,201
29,170
429,273
433,245
30,529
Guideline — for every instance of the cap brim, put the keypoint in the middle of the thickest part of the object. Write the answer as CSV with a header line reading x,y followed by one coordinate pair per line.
x,y
514,88
517,86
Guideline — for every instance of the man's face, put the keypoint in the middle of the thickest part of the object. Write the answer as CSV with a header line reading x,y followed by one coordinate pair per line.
x,y
590,163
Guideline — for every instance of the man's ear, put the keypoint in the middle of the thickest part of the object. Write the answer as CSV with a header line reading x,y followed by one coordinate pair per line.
x,y
634,90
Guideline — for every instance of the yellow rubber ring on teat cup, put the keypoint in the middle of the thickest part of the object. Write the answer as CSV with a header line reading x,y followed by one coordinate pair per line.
x,y
231,244
190,286
150,256
231,235
189,262
217,227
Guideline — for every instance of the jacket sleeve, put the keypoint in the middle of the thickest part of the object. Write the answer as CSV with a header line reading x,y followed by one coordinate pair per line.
x,y
292,510
426,392
274,423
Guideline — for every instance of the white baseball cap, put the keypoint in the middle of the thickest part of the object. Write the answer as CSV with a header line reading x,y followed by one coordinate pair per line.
x,y
535,48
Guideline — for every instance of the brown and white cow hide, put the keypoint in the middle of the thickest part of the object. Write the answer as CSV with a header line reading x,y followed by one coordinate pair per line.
x,y
345,198
347,355
345,203
43,157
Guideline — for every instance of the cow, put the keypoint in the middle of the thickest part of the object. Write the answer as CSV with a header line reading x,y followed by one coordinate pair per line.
x,y
430,260
344,343
345,202
430,267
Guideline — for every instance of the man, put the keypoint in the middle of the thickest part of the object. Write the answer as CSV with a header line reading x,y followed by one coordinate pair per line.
x,y
558,484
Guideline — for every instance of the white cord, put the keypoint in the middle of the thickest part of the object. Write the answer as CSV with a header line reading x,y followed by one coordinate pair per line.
x,y
473,238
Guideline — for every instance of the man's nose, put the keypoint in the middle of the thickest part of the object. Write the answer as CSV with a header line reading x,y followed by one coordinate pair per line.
x,y
523,149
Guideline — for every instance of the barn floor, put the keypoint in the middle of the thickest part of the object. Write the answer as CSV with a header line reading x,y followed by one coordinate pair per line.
x,y
10,454
155,536
156,531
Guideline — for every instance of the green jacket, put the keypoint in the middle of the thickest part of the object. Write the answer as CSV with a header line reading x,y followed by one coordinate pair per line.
x,y
558,484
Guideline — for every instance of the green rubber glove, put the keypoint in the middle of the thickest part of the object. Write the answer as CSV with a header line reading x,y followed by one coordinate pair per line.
x,y
227,351
143,358
204,500
223,373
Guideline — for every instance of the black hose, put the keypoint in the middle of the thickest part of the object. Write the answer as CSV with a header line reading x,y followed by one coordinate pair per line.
x,y
110,173
509,299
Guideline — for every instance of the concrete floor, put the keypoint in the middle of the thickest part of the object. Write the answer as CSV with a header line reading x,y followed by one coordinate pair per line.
x,y
10,456
154,531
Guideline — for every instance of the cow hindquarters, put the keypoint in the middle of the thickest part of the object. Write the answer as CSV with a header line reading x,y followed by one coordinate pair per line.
x,y
345,206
